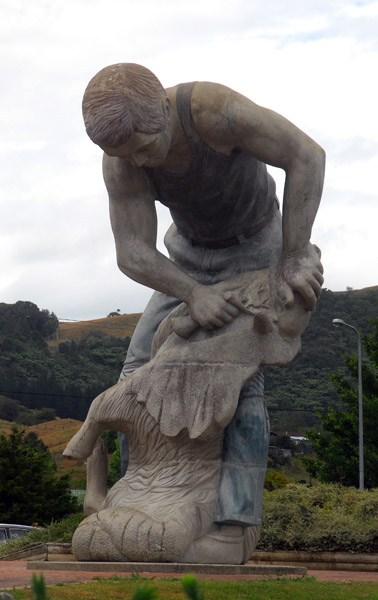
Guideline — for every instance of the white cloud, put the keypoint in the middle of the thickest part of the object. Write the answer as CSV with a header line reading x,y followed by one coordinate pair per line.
x,y
311,60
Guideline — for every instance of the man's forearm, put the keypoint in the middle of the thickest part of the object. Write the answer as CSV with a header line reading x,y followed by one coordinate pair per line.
x,y
208,305
151,268
303,190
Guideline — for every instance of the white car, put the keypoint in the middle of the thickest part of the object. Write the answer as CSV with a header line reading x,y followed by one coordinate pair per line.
x,y
13,532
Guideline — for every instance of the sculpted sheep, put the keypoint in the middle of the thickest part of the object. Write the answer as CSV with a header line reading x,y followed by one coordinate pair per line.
x,y
174,411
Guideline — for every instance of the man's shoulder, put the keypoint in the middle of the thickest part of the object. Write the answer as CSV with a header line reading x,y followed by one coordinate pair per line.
x,y
204,93
212,109
122,178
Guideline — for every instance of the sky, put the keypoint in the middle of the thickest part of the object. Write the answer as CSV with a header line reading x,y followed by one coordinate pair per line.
x,y
313,61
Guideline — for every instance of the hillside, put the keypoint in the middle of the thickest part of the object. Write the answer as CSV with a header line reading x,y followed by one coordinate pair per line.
x,y
122,326
64,367
295,391
5,426
55,435
65,374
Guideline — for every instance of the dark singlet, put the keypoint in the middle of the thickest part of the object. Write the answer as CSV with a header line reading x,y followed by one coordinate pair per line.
x,y
220,197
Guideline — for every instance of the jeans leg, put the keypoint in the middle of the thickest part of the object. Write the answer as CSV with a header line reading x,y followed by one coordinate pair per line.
x,y
159,306
245,455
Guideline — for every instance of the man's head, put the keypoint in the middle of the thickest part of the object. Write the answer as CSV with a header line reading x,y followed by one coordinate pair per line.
x,y
121,100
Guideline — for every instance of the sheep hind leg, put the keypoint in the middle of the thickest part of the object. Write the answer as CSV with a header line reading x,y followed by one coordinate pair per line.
x,y
97,471
97,421
83,442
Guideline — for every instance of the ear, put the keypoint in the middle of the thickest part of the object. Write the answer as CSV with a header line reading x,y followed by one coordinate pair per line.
x,y
166,105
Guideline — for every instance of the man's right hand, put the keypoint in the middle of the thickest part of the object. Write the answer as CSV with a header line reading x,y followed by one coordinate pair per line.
x,y
209,307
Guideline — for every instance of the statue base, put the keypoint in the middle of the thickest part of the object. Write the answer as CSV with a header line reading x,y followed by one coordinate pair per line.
x,y
166,568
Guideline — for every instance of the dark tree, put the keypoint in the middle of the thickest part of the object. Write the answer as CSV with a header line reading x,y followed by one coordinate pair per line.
x,y
24,320
114,465
32,440
336,445
45,414
30,490
9,409
109,436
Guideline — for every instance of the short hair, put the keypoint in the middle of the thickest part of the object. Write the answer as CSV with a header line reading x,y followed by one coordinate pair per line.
x,y
120,100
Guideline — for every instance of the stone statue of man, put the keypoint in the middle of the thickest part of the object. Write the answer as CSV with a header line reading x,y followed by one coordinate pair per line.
x,y
201,149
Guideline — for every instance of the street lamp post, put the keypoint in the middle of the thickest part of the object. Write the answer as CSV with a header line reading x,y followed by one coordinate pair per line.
x,y
341,323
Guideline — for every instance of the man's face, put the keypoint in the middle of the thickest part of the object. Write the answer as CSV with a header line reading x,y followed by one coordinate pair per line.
x,y
143,149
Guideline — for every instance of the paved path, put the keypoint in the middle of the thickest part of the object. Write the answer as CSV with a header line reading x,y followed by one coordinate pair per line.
x,y
15,574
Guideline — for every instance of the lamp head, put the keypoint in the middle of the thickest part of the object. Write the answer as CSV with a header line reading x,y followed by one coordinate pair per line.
x,y
338,322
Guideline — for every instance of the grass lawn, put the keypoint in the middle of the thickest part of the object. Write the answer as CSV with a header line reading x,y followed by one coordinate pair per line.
x,y
123,588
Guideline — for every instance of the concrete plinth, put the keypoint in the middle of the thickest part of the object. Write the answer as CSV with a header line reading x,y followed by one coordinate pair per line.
x,y
138,567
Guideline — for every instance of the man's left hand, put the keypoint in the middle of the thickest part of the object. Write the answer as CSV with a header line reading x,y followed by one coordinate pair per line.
x,y
301,272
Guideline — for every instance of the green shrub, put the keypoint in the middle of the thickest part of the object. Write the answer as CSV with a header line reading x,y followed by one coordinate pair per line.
x,y
61,532
320,518
275,481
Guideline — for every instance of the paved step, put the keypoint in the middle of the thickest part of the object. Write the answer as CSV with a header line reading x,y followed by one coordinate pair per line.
x,y
47,551
139,567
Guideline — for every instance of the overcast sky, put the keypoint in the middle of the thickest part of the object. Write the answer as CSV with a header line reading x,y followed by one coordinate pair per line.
x,y
315,62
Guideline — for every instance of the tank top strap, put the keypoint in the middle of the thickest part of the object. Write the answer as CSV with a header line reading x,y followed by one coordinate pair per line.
x,y
183,100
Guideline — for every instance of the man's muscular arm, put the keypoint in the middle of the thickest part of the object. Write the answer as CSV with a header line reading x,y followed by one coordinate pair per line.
x,y
228,120
134,224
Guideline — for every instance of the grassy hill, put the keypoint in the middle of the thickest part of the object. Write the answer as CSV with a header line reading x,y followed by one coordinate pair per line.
x,y
122,327
56,434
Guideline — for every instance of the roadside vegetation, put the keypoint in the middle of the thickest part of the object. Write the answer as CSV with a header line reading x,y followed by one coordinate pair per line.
x,y
317,519
322,518
58,531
